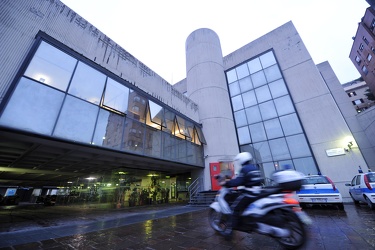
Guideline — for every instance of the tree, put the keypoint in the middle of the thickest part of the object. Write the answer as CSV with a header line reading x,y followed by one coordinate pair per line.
x,y
370,95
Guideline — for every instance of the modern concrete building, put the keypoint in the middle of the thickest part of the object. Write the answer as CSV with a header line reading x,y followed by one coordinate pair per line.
x,y
78,110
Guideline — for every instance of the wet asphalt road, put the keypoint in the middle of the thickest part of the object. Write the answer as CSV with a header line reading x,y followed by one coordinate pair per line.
x,y
170,226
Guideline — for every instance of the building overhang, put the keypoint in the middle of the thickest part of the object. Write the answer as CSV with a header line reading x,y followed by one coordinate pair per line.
x,y
32,160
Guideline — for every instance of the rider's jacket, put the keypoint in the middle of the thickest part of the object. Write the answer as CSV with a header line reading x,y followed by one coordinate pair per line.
x,y
249,176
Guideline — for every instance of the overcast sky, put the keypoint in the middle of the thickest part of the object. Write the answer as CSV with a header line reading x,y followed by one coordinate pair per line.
x,y
155,31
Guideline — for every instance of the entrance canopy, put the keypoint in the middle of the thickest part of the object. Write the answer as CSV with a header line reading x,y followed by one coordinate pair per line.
x,y
33,161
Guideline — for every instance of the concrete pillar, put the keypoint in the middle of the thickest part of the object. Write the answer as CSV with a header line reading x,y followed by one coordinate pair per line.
x,y
206,86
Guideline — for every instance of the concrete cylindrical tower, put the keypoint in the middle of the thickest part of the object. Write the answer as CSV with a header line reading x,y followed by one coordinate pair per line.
x,y
207,86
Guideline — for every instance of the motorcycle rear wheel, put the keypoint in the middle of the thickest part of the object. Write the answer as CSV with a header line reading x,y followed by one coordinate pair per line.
x,y
217,220
298,235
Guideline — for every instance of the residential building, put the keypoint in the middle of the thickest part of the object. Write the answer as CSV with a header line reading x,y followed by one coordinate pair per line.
x,y
362,52
357,90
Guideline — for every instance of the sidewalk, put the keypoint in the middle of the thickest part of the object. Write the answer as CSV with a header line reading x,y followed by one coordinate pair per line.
x,y
29,216
29,223
177,226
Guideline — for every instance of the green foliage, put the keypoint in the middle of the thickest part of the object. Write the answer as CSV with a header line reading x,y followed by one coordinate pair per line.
x,y
370,95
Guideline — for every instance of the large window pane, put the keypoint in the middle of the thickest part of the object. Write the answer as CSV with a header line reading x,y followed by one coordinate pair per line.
x,y
245,84
237,103
133,136
240,118
231,76
33,107
153,142
51,66
286,164
267,110
268,170
234,89
267,59
137,106
77,120
273,128
284,105
243,135
156,113
257,132
253,114
109,129
249,98
298,146
291,124
258,79
272,73
306,166
279,149
116,96
278,88
254,65
242,71
263,94
169,121
87,83
262,152
248,148
183,127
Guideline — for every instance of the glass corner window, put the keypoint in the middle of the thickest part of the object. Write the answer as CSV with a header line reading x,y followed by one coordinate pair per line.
x,y
155,115
51,66
116,96
87,83
181,128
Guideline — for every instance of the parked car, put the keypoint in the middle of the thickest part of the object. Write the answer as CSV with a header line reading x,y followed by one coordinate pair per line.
x,y
47,200
362,189
9,200
319,190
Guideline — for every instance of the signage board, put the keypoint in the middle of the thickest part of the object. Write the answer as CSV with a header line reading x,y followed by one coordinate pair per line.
x,y
335,151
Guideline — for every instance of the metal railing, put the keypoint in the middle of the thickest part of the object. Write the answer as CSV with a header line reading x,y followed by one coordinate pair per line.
x,y
195,187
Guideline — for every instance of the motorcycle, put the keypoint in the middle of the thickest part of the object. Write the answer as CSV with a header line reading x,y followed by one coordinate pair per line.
x,y
275,211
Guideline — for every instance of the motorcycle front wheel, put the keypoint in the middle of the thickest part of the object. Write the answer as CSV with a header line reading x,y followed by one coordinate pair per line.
x,y
298,235
217,220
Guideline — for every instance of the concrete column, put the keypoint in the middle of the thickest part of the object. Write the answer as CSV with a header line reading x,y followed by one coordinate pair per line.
x,y
206,86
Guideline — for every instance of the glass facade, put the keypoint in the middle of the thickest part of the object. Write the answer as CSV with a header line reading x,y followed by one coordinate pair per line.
x,y
266,120
63,97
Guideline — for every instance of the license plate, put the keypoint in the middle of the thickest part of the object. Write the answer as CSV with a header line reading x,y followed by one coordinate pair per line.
x,y
319,199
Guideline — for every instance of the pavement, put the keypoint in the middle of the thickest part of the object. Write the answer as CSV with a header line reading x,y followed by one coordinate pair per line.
x,y
167,226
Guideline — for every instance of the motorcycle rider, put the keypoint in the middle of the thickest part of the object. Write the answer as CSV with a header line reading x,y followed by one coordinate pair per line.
x,y
248,176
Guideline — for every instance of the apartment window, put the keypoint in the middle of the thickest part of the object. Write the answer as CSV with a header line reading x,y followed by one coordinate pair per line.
x,y
358,101
369,57
352,94
372,24
365,40
361,47
365,70
358,60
